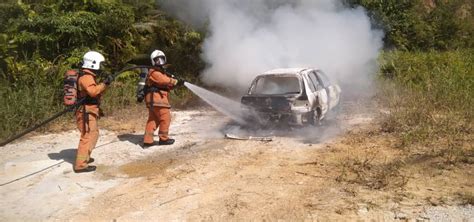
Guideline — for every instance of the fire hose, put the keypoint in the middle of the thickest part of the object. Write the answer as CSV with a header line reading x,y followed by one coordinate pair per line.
x,y
68,109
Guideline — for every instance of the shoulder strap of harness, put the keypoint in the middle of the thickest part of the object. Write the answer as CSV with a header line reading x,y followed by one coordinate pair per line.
x,y
156,89
88,100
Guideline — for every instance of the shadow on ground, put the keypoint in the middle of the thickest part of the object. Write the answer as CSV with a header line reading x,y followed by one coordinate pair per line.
x,y
68,155
132,138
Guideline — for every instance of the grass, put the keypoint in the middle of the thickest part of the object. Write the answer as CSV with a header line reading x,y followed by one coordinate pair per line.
x,y
430,99
365,171
429,95
24,107
428,123
467,198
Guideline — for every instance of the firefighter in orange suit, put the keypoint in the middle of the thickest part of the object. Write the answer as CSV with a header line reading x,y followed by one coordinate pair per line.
x,y
158,86
88,113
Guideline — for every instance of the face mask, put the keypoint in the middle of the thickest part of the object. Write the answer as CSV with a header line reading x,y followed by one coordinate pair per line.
x,y
161,60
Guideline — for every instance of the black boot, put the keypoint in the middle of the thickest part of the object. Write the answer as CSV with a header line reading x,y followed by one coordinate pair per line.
x,y
166,142
85,170
146,145
91,160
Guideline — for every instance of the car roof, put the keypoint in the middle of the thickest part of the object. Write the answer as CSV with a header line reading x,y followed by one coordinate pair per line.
x,y
295,71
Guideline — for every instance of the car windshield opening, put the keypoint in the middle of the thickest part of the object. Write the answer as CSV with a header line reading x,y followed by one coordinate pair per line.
x,y
269,85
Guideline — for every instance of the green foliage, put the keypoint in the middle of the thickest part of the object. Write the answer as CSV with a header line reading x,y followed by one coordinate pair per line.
x,y
429,95
422,24
181,44
41,39
49,30
32,95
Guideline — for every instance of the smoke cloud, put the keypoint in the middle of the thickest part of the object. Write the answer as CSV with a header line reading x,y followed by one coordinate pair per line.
x,y
248,37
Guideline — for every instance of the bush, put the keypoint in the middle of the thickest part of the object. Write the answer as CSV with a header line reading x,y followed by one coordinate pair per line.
x,y
423,24
40,40
429,96
32,94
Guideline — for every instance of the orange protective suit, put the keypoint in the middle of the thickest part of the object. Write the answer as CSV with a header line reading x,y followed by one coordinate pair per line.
x,y
157,101
87,123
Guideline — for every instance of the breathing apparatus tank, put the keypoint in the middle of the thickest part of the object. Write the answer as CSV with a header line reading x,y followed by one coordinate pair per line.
x,y
70,87
141,86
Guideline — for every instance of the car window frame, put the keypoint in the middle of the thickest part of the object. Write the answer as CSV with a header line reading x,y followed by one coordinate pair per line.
x,y
310,83
323,78
317,85
258,78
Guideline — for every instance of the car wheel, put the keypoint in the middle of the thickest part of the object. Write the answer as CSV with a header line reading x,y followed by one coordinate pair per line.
x,y
316,117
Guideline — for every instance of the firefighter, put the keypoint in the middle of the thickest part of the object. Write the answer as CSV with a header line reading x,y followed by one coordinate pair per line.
x,y
158,86
88,113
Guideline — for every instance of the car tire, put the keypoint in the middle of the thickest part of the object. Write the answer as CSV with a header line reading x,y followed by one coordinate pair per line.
x,y
316,117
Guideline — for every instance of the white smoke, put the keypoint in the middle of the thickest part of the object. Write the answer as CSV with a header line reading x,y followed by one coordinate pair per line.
x,y
248,37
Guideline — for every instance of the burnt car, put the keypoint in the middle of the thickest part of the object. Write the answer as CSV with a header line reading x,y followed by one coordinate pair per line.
x,y
294,96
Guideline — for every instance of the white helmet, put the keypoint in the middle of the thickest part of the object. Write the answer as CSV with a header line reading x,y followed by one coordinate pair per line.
x,y
92,60
158,58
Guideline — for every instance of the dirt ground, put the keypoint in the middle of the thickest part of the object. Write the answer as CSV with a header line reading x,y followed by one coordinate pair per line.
x,y
311,174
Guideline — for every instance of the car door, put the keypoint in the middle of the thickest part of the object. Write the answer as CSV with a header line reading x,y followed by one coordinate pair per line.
x,y
319,93
310,91
331,89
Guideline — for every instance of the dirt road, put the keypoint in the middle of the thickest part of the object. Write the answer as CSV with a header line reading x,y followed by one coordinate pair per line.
x,y
204,176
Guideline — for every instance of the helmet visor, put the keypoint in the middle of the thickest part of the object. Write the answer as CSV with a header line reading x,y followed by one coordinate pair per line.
x,y
160,60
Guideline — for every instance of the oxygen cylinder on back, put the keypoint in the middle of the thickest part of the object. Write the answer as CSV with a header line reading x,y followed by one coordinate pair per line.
x,y
70,87
141,86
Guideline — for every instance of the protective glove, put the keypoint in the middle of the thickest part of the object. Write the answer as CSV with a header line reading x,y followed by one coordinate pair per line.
x,y
180,82
109,79
141,95
101,113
